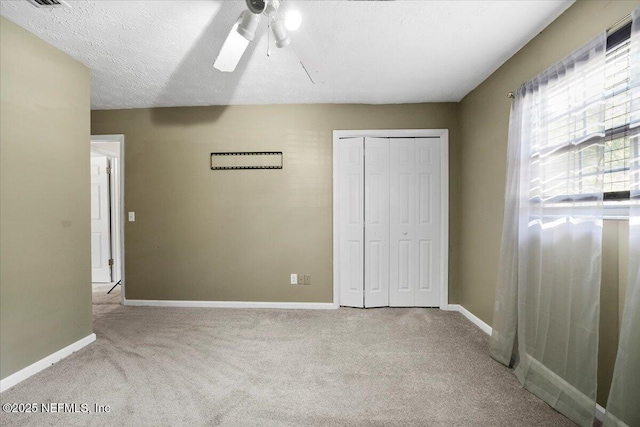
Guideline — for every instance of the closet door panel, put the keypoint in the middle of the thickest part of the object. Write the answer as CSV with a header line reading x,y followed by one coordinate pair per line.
x,y
376,217
351,217
428,224
403,256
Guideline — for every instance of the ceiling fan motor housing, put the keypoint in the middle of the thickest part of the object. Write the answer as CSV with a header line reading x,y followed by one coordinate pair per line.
x,y
256,6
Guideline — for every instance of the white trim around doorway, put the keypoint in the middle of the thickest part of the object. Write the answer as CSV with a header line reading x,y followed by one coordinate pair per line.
x,y
443,134
96,140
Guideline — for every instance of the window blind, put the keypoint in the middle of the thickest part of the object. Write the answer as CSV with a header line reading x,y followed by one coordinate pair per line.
x,y
620,140
565,117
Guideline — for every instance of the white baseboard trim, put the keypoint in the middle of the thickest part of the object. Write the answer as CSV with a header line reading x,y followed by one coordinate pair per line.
x,y
469,315
43,364
232,304
538,368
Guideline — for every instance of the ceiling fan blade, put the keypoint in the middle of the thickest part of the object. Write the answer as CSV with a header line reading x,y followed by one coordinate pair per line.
x,y
308,55
237,41
305,49
231,51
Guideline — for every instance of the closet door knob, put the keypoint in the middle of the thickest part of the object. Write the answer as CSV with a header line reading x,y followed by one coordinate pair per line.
x,y
404,232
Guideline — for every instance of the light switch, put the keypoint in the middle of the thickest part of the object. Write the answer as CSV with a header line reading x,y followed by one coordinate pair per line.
x,y
132,216
294,279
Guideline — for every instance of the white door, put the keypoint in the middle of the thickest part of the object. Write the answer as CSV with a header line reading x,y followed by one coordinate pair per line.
x,y
351,217
428,222
415,223
389,215
402,223
100,231
376,220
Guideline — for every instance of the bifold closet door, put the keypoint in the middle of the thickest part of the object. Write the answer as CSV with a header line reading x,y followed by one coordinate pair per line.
x,y
389,222
351,217
376,222
414,263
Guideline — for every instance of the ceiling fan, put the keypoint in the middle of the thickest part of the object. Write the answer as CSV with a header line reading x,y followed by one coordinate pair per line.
x,y
244,29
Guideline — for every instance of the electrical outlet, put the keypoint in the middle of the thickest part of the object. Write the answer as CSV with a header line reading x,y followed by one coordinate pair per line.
x,y
307,279
300,279
294,279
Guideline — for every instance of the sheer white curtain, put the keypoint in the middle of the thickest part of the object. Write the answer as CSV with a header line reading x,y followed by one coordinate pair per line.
x,y
547,303
623,406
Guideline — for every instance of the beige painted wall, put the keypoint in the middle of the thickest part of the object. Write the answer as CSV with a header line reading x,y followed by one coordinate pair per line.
x,y
615,253
237,235
45,274
623,266
484,119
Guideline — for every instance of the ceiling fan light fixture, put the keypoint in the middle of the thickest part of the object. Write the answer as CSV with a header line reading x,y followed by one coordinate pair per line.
x,y
247,24
280,33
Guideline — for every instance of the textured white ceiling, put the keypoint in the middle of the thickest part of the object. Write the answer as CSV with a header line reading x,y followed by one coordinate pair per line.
x,y
160,53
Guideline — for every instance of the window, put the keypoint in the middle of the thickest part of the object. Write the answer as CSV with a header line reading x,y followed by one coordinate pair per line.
x,y
567,127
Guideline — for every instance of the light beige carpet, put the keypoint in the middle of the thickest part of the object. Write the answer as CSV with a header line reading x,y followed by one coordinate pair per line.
x,y
255,367
104,303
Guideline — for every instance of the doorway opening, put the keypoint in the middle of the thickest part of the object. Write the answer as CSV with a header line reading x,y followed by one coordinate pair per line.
x,y
107,222
391,218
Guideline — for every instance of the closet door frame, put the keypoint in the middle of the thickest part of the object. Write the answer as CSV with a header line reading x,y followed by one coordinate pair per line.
x,y
443,135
